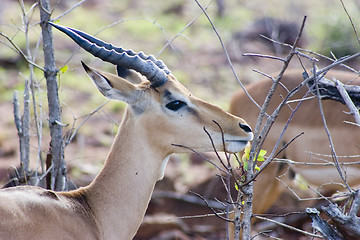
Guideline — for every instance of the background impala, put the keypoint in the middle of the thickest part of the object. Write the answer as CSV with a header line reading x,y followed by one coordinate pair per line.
x,y
312,147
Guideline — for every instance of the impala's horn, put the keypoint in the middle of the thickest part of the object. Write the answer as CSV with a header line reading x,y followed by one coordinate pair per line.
x,y
154,70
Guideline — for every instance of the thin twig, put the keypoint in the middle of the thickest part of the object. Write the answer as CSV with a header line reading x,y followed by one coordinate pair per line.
x,y
288,161
74,131
69,10
263,56
289,227
288,143
351,21
200,216
352,123
336,161
188,198
211,208
214,148
170,41
199,154
226,54
18,50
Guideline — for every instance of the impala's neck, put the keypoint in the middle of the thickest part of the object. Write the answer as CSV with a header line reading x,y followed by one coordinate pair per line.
x,y
121,192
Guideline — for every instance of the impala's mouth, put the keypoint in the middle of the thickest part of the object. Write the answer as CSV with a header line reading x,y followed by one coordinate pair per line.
x,y
234,146
231,138
237,141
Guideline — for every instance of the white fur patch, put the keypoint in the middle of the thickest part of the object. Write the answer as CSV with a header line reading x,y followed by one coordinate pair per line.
x,y
163,167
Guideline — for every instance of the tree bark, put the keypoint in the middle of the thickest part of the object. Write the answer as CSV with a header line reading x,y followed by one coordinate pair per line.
x,y
58,172
329,90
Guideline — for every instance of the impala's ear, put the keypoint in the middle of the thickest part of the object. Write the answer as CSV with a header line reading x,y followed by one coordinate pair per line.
x,y
112,86
129,75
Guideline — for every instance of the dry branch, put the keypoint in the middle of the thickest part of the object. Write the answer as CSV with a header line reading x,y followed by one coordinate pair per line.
x,y
322,226
348,101
328,90
348,223
58,176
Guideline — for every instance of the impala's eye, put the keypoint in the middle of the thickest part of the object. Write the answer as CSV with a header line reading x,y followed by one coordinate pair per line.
x,y
175,105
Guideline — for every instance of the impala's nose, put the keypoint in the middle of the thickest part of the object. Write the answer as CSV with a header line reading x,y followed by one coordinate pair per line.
x,y
245,127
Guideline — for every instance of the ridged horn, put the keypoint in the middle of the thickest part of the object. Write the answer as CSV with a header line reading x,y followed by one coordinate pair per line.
x,y
154,70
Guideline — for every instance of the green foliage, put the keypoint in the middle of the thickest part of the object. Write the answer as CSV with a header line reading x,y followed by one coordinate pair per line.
x,y
245,162
245,157
64,69
337,37
334,32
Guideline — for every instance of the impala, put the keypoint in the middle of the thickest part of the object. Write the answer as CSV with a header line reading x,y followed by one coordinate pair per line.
x,y
312,146
161,113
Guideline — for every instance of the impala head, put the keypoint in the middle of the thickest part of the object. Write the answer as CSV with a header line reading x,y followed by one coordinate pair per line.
x,y
160,106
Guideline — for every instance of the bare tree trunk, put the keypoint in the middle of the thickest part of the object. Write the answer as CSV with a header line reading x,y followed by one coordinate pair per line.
x,y
58,172
248,191
22,127
25,125
23,122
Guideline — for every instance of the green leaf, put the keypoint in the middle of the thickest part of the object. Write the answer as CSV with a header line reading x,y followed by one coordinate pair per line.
x,y
246,163
64,69
261,155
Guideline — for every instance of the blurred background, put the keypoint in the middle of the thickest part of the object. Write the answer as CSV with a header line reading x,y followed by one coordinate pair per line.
x,y
178,33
